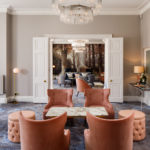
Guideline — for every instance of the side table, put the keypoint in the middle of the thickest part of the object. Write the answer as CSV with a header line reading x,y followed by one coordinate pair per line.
x,y
141,89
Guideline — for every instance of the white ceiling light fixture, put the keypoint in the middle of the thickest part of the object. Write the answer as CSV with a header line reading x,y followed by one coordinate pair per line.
x,y
77,11
78,45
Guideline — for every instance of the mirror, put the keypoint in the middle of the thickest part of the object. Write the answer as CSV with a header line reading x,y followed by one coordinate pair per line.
x,y
147,63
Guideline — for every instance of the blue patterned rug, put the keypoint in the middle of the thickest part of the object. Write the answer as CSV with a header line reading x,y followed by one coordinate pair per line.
x,y
77,138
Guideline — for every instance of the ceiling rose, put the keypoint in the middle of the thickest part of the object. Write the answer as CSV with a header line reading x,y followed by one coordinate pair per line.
x,y
77,11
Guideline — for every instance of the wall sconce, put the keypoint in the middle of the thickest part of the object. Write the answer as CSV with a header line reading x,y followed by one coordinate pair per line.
x,y
138,70
15,72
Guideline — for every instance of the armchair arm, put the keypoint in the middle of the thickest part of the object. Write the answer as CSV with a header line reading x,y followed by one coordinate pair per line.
x,y
86,132
86,103
69,101
71,105
67,138
87,139
48,105
110,110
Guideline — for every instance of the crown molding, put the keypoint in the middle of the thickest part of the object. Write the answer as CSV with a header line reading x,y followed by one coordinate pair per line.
x,y
33,11
3,10
6,9
22,11
119,12
143,7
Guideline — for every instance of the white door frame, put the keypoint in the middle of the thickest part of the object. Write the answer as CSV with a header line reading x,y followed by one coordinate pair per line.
x,y
94,38
63,39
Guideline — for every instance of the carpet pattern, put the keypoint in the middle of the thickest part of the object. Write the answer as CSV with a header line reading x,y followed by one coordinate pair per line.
x,y
77,136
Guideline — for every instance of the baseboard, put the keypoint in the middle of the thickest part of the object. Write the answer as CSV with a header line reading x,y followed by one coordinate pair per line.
x,y
132,98
21,99
3,100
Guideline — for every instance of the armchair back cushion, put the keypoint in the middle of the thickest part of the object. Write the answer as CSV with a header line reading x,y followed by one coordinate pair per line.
x,y
96,96
60,96
43,134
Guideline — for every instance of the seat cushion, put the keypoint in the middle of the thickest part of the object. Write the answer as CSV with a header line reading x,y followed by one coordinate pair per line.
x,y
27,114
137,114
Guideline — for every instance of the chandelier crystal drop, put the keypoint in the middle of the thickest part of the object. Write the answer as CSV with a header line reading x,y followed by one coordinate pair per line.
x,y
77,11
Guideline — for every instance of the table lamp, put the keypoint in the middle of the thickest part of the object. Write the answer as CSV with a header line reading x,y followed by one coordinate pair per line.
x,y
138,70
15,72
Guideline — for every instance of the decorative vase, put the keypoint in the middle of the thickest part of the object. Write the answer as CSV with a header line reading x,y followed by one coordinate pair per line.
x,y
143,79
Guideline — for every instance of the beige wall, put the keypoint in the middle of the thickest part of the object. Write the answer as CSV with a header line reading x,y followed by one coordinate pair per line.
x,y
145,34
145,30
3,42
5,55
9,58
24,28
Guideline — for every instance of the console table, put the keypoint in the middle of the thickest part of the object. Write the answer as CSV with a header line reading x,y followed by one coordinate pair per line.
x,y
142,89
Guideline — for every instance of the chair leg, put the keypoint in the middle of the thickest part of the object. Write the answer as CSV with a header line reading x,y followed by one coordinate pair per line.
x,y
71,121
77,93
85,122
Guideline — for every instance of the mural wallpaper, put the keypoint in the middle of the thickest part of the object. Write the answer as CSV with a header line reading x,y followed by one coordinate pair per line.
x,y
67,59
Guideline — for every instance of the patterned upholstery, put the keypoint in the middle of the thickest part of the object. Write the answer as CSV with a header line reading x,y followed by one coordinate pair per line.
x,y
13,124
139,131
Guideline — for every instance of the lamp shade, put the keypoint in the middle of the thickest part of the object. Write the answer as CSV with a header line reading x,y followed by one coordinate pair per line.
x,y
16,70
138,69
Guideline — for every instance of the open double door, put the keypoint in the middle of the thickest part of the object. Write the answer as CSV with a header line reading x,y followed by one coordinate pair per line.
x,y
113,68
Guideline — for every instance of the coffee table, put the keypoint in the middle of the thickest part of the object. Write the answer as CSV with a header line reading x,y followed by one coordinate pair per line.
x,y
73,112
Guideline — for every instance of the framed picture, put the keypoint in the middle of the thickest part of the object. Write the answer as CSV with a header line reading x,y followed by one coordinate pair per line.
x,y
147,63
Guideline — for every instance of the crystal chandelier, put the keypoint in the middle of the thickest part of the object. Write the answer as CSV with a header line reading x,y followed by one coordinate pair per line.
x,y
77,11
78,45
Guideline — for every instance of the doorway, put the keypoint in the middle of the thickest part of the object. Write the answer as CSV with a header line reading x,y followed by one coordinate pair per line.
x,y
43,60
86,62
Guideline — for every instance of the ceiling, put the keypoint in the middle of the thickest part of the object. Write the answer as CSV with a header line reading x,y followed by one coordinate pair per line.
x,y
108,6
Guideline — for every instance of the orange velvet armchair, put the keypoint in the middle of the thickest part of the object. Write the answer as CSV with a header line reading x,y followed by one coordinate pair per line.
x,y
81,85
58,98
99,97
108,134
44,134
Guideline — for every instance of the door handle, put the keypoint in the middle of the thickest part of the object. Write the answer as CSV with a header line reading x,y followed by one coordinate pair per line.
x,y
44,81
110,80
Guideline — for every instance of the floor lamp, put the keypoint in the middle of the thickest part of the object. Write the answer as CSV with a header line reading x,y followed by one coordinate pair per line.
x,y
15,72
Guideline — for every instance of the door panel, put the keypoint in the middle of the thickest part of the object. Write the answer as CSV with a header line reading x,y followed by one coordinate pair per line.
x,y
114,68
40,69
